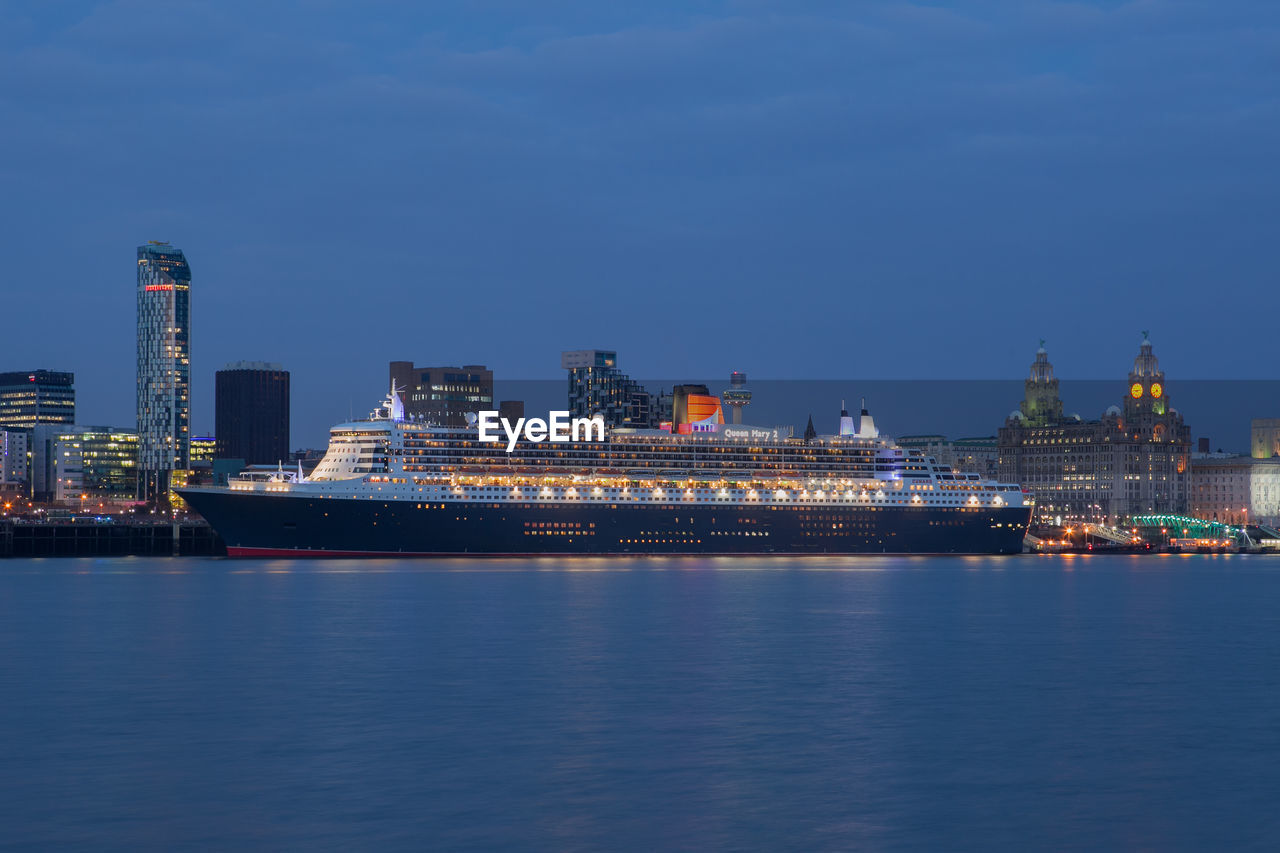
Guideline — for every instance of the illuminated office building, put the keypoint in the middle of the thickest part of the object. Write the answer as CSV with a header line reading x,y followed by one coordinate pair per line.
x,y
32,397
204,448
95,464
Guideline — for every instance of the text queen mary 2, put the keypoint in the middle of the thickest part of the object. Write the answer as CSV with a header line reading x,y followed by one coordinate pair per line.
x,y
391,486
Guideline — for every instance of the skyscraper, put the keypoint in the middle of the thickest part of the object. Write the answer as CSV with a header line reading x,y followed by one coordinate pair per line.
x,y
252,412
164,366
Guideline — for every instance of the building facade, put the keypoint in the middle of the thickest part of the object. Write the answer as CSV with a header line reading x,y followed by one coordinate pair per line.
x,y
1132,461
204,448
443,395
1264,438
1235,489
95,464
975,455
598,387
28,398
164,366
14,460
252,412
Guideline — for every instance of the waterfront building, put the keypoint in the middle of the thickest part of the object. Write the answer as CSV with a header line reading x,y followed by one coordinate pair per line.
x,y
31,397
95,464
737,396
14,459
1235,489
598,387
1265,438
443,395
251,411
164,366
979,455
1131,461
40,449
204,448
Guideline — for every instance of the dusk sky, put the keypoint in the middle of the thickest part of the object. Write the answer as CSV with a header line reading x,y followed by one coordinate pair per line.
x,y
797,190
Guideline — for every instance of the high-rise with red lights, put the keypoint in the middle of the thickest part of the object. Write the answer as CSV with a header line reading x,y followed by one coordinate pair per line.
x,y
164,366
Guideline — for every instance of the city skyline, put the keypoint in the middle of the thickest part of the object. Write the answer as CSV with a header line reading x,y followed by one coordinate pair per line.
x,y
1013,171
713,424
1220,410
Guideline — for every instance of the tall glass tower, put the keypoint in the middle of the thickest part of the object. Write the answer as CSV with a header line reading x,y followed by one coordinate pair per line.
x,y
164,367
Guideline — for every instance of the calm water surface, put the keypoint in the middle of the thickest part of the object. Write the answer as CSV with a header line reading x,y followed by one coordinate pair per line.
x,y
644,704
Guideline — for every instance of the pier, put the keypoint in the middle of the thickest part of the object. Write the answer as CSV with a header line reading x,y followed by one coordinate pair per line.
x,y
20,538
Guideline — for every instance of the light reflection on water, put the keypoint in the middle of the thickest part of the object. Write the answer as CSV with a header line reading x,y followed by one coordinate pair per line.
x,y
645,703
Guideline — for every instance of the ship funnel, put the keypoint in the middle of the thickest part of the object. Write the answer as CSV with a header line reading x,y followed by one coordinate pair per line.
x,y
867,425
846,422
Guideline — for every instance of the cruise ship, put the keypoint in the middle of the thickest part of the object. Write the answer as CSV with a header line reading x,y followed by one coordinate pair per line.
x,y
391,486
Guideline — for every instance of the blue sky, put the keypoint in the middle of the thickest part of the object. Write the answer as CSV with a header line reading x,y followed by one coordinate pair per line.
x,y
811,190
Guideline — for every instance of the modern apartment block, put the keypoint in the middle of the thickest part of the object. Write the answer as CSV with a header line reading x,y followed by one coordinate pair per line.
x,y
164,366
598,387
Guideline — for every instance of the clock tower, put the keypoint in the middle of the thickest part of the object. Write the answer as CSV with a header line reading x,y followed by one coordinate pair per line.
x,y
1145,393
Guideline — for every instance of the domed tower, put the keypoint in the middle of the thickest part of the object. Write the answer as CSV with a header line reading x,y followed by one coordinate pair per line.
x,y
1041,405
1146,390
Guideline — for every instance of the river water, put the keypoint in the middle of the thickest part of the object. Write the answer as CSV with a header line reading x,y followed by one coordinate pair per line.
x,y
1065,702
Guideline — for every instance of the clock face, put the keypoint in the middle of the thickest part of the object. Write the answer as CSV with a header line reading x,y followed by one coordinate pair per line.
x,y
1157,391
1136,390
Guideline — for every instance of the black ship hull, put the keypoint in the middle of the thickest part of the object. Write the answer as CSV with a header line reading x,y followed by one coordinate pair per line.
x,y
258,525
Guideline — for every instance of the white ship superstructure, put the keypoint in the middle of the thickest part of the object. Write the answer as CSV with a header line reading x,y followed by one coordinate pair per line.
x,y
389,457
